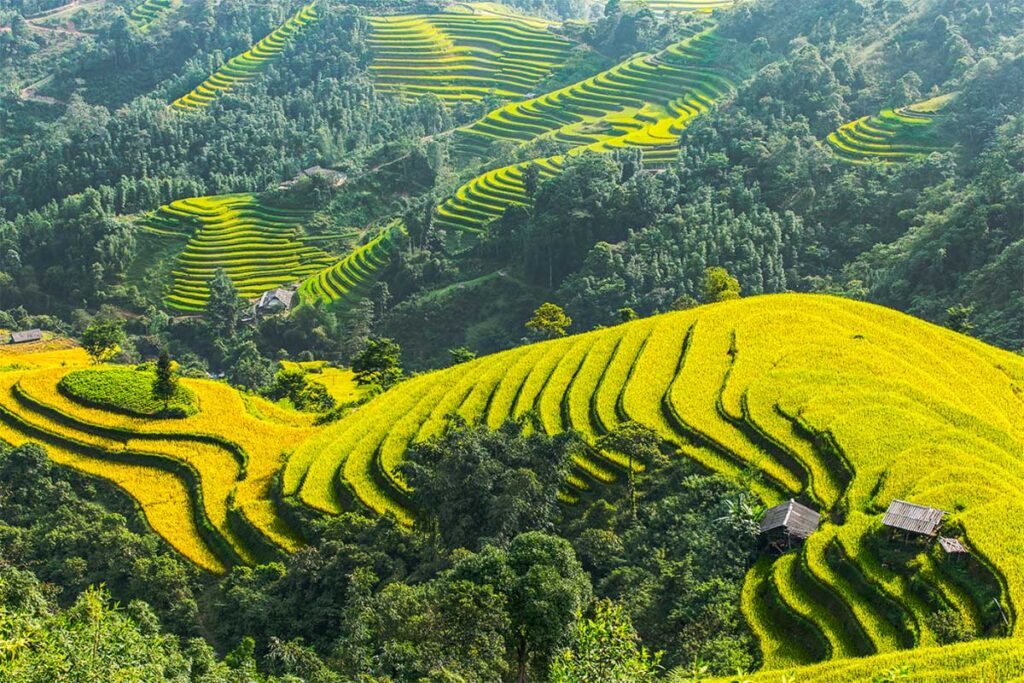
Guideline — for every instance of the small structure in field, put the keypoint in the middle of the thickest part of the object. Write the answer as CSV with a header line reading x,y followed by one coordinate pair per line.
x,y
275,300
333,177
908,519
787,524
953,547
26,336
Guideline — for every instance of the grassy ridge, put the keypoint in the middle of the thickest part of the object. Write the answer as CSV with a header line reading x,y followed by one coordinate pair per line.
x,y
462,57
892,136
247,67
644,103
126,390
259,247
824,397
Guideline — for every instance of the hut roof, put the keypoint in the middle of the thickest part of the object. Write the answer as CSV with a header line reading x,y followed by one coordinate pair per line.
x,y
952,546
918,519
285,296
26,336
798,520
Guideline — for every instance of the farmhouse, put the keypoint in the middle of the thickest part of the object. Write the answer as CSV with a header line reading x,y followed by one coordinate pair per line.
x,y
275,300
26,336
910,519
787,523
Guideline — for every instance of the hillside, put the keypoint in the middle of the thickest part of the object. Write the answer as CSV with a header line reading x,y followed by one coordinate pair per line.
x,y
843,404
545,341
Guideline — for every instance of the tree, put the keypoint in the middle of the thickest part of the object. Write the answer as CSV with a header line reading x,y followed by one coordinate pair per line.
x,y
531,179
294,385
102,339
443,630
549,321
380,363
224,308
958,318
476,486
604,649
249,369
461,354
639,444
166,382
719,285
626,314
544,587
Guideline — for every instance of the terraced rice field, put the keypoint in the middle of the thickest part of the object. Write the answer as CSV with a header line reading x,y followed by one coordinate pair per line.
x,y
845,403
988,660
644,103
462,57
149,11
247,67
203,482
892,136
258,246
662,6
350,278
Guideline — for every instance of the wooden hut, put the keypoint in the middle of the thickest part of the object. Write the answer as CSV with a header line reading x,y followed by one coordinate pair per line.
x,y
26,336
910,520
787,524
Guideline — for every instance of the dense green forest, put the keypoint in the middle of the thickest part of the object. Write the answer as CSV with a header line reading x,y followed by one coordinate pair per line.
x,y
867,149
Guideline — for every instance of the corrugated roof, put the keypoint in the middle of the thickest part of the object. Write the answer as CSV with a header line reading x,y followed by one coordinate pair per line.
x,y
798,520
952,545
918,519
285,296
26,336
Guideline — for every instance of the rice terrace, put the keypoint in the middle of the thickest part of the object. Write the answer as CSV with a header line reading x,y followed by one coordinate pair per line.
x,y
514,341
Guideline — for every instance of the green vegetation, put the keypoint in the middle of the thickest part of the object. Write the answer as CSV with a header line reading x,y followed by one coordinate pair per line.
x,y
247,67
892,136
350,279
259,247
644,103
128,390
146,13
460,57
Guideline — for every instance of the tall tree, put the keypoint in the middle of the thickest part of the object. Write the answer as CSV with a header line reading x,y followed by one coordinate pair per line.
x,y
102,339
544,587
641,446
719,285
166,382
475,486
379,364
549,321
224,308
